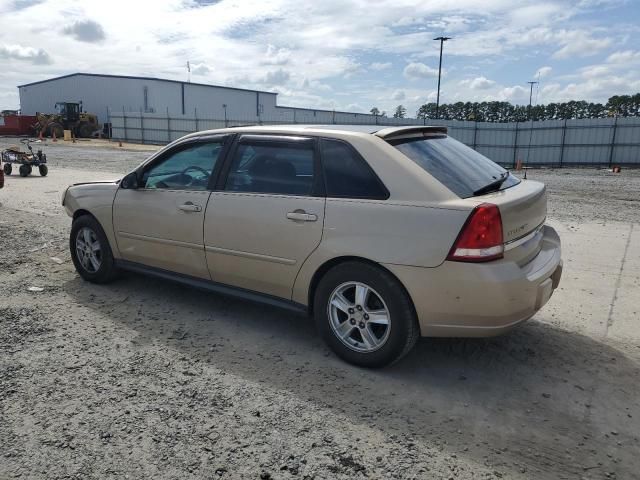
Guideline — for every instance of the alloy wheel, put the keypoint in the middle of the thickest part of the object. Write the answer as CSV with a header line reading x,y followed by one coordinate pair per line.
x,y
88,250
359,317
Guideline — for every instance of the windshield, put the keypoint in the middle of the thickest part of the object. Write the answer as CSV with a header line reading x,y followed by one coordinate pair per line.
x,y
459,168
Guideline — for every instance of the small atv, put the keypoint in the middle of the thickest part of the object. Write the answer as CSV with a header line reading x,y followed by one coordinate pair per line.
x,y
27,161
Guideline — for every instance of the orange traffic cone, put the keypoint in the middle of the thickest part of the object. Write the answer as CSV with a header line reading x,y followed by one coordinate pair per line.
x,y
54,139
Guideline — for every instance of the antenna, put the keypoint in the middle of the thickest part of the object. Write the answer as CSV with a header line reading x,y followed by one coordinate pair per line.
x,y
188,72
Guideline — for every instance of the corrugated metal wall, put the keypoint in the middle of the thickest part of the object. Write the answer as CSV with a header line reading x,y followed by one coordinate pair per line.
x,y
584,142
103,94
589,142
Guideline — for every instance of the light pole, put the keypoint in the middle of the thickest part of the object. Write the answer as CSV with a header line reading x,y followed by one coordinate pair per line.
x,y
442,40
224,105
531,84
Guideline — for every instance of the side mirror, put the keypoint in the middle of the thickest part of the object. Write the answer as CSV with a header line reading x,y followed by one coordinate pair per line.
x,y
130,181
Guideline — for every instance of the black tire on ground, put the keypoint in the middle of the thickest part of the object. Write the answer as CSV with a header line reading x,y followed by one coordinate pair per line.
x,y
43,170
107,271
85,130
25,170
58,129
404,329
7,168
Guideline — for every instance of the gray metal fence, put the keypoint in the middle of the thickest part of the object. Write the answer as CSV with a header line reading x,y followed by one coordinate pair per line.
x,y
557,143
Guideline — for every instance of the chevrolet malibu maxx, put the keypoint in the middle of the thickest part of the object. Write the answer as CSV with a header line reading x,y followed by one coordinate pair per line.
x,y
381,234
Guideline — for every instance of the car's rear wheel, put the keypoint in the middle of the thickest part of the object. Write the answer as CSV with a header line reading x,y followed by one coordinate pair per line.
x,y
365,315
90,251
7,169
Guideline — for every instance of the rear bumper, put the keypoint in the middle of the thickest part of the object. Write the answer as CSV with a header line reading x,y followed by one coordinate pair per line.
x,y
478,300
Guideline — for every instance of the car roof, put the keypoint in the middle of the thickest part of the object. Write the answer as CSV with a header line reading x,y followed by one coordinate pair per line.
x,y
381,131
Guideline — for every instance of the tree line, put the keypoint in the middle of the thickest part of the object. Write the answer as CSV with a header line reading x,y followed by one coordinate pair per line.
x,y
616,106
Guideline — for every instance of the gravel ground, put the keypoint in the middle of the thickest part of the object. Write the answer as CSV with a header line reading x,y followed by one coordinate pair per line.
x,y
143,378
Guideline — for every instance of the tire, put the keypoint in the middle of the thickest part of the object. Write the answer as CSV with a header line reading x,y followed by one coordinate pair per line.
x,y
24,170
7,169
43,170
58,129
85,130
385,294
105,270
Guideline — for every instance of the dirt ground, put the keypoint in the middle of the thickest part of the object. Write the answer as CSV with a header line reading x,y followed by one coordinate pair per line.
x,y
144,378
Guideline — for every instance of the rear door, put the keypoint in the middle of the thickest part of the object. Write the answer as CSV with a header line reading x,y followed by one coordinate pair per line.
x,y
160,224
267,215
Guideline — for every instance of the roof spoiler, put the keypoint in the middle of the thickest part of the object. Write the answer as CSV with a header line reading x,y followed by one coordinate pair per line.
x,y
388,133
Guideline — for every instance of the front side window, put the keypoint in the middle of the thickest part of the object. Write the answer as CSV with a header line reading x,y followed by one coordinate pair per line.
x,y
279,168
189,168
347,174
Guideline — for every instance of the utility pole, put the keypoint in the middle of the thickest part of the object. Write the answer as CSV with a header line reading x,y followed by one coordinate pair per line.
x,y
531,84
442,40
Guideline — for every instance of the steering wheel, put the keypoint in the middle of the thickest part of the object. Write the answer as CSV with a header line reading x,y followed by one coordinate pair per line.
x,y
195,167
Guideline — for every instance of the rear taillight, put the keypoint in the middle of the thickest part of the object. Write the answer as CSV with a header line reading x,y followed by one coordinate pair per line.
x,y
480,239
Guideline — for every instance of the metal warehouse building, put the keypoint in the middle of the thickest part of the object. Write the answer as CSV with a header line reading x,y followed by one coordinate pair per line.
x,y
107,95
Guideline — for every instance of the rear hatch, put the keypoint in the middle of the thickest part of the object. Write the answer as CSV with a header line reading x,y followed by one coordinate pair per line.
x,y
523,209
476,179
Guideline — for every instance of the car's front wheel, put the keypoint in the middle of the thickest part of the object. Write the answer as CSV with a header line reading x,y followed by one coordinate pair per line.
x,y
90,251
365,315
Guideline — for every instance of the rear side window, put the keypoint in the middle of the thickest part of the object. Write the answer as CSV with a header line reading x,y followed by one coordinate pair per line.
x,y
347,174
459,168
279,168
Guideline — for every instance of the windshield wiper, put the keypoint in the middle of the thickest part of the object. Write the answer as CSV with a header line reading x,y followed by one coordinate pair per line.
x,y
493,186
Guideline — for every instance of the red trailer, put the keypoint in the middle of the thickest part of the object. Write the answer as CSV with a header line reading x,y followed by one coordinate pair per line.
x,y
17,124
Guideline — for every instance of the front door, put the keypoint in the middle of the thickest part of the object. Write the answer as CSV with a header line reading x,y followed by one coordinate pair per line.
x,y
268,216
160,223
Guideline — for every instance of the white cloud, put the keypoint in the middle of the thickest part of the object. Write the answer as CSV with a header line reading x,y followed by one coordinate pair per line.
x,y
398,95
277,77
580,44
478,83
85,31
377,66
419,70
543,72
37,56
624,57
277,56
200,69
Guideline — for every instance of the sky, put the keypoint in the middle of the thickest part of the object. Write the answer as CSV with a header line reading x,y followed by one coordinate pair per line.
x,y
331,54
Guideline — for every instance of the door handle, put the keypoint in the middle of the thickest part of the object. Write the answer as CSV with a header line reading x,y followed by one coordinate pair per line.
x,y
190,207
302,216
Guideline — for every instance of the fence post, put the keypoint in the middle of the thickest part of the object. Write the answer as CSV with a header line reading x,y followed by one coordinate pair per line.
x,y
475,135
168,126
141,127
515,147
124,121
110,126
564,135
613,140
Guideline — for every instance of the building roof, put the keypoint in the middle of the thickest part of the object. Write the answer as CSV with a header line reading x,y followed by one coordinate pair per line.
x,y
141,78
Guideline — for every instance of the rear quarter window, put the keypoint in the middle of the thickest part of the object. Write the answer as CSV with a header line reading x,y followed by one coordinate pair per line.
x,y
347,174
459,168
